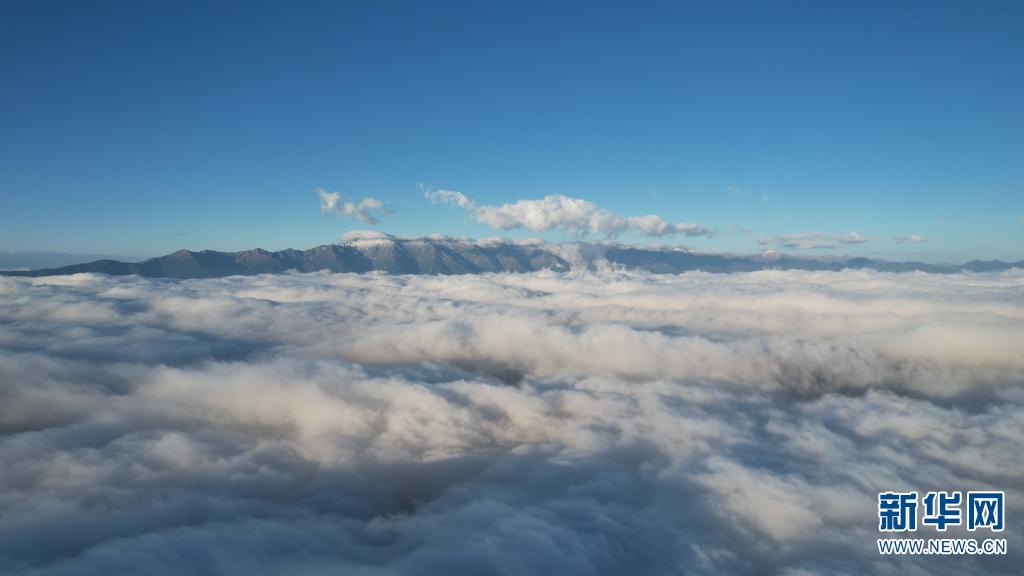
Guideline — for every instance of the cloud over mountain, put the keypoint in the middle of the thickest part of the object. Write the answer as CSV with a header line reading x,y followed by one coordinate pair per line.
x,y
546,423
576,216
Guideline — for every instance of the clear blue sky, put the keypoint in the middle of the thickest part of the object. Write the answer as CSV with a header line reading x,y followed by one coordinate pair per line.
x,y
140,127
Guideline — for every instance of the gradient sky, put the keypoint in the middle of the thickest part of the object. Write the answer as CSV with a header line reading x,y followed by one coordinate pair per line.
x,y
141,127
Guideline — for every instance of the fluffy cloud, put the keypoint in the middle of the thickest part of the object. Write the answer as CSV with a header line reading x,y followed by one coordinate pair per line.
x,y
576,216
577,423
812,240
449,197
331,203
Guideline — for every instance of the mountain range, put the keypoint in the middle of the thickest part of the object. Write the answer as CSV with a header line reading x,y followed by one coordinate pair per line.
x,y
367,252
31,260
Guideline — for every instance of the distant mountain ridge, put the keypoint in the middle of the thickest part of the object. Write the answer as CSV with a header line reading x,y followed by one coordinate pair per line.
x,y
31,260
440,255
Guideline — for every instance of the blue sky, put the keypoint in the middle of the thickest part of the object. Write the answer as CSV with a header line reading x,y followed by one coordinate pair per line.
x,y
137,128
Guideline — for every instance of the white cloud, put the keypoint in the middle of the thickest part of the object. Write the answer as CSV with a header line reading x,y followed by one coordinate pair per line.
x,y
448,197
576,216
577,423
812,240
331,203
911,238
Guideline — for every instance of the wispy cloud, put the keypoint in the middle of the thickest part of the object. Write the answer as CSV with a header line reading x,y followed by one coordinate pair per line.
x,y
332,203
735,191
911,238
812,240
576,216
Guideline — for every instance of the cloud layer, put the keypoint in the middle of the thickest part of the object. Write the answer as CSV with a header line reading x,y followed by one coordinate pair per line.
x,y
580,423
576,216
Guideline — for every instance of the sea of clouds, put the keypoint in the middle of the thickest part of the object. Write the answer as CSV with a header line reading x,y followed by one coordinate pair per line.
x,y
579,423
